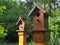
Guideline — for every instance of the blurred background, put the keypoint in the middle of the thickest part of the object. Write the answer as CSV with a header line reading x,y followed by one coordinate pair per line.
x,y
11,10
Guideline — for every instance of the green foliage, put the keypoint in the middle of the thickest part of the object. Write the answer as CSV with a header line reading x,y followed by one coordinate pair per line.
x,y
2,32
2,8
4,43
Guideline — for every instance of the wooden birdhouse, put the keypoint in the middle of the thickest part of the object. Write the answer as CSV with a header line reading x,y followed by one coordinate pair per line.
x,y
40,25
21,23
40,18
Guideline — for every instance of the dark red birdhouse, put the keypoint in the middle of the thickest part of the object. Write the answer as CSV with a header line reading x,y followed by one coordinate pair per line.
x,y
40,18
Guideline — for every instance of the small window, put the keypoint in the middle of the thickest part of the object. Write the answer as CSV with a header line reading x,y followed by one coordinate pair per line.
x,y
36,11
37,14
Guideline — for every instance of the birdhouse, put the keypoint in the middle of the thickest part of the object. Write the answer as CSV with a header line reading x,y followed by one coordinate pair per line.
x,y
21,23
40,18
40,25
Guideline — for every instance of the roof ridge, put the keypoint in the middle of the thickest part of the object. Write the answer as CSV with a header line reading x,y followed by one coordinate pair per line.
x,y
38,6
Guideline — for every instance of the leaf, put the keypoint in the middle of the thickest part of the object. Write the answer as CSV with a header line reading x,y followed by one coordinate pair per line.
x,y
2,34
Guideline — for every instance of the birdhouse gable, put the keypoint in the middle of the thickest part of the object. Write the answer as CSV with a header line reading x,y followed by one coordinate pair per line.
x,y
35,10
20,21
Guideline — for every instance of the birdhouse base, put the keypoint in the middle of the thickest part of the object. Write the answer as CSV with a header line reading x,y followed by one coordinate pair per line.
x,y
37,43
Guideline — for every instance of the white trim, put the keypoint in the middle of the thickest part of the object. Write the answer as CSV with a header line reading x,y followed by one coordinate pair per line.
x,y
31,10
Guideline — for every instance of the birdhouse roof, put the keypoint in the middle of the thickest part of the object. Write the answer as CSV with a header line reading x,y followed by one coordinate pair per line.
x,y
18,22
39,7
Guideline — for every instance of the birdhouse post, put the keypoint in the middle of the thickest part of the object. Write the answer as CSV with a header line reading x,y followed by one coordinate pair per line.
x,y
40,25
21,32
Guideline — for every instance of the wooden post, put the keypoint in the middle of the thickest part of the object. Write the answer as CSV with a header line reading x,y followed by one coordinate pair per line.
x,y
21,32
39,37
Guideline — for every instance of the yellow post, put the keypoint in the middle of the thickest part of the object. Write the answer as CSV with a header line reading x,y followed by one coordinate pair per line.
x,y
22,38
